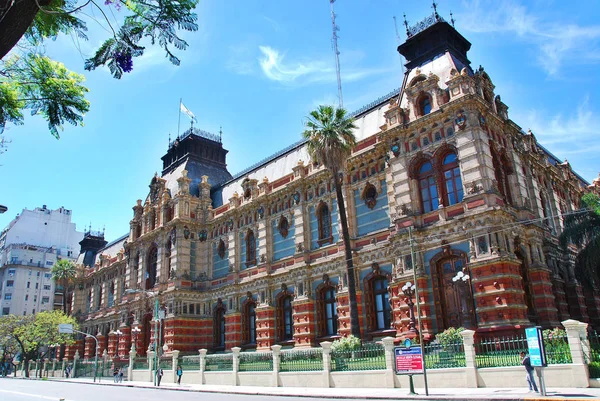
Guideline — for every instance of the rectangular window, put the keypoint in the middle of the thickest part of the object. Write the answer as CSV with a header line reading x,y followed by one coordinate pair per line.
x,y
11,272
5,311
38,274
10,283
48,275
35,298
49,263
28,284
37,285
33,311
45,300
14,260
8,297
27,297
47,287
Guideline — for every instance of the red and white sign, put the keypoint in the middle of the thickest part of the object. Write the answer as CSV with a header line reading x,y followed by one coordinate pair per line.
x,y
408,360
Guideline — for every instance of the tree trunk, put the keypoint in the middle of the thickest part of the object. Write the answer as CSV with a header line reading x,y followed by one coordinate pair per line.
x,y
64,296
26,367
354,325
15,21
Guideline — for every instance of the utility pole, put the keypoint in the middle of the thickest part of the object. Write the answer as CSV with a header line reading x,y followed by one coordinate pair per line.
x,y
414,269
334,44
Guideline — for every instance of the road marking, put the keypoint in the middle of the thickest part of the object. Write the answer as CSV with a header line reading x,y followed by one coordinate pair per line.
x,y
45,397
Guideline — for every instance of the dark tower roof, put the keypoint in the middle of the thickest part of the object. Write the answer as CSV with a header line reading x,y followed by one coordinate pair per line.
x,y
200,153
91,243
431,37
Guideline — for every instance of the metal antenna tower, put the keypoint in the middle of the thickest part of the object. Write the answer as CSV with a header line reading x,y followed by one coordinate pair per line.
x,y
337,54
399,43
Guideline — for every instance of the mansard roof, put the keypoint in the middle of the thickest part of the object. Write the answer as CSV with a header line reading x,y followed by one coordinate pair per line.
x,y
368,120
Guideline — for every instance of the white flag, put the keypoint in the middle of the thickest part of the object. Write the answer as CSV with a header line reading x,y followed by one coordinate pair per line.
x,y
187,112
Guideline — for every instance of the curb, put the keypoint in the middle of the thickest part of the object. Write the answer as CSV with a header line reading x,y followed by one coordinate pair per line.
x,y
331,396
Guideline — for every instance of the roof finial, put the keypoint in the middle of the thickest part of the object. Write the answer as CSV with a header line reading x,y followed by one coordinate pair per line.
x,y
169,139
437,17
452,19
406,25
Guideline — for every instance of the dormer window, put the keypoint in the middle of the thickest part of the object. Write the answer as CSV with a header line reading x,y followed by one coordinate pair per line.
x,y
424,105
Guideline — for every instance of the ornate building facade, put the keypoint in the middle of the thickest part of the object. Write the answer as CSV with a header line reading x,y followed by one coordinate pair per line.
x,y
257,259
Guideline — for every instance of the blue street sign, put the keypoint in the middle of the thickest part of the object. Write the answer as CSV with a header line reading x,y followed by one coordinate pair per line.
x,y
535,344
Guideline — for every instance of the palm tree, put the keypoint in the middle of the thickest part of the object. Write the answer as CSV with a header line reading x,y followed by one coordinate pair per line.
x,y
329,141
583,230
63,272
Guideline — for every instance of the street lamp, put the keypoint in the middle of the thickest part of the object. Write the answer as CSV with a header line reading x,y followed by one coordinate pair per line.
x,y
157,317
409,291
135,331
118,333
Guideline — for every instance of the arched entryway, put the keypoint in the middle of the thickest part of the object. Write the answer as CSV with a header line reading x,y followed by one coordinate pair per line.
x,y
453,298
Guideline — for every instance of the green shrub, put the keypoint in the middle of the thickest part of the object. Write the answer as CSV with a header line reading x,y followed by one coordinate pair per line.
x,y
349,343
554,337
450,336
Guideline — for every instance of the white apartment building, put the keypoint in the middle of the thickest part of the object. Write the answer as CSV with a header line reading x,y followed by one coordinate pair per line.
x,y
29,247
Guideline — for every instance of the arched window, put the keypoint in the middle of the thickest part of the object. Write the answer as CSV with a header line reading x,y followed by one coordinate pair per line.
x,y
250,249
286,324
111,295
168,257
381,303
219,328
452,180
88,303
324,221
427,188
330,312
501,171
424,105
99,299
151,267
250,322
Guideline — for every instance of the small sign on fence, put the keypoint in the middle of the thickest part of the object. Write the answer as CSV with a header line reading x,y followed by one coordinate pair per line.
x,y
408,361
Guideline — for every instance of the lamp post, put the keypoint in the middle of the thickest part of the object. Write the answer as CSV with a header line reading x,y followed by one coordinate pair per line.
x,y
463,279
135,331
118,333
409,291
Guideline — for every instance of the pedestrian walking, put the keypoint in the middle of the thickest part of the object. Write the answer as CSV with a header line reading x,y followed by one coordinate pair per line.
x,y
120,375
179,374
526,361
116,374
159,374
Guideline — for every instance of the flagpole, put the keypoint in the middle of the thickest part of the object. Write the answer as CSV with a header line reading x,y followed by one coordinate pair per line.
x,y
179,122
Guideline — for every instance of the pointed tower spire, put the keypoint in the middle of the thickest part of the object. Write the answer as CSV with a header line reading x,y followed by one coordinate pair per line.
x,y
435,13
406,25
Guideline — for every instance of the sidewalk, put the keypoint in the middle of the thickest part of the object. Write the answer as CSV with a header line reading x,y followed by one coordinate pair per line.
x,y
497,394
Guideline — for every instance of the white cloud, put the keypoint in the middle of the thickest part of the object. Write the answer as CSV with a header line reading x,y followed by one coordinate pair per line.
x,y
555,40
572,135
276,68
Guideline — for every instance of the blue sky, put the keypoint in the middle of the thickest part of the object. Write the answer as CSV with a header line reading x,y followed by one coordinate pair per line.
x,y
257,68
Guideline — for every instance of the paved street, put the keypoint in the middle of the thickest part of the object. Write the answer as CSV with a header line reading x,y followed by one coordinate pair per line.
x,y
84,390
